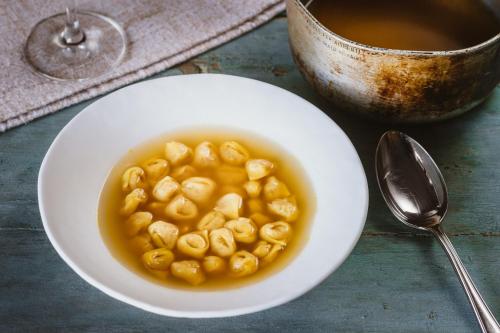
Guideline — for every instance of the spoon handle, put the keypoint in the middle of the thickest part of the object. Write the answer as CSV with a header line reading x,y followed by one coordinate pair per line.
x,y
484,316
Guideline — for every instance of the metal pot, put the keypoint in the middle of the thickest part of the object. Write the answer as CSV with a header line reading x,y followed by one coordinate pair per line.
x,y
392,85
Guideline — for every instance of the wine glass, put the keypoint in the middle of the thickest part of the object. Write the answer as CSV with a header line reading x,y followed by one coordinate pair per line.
x,y
75,45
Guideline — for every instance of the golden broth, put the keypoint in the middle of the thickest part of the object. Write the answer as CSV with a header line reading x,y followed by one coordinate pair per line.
x,y
287,169
427,25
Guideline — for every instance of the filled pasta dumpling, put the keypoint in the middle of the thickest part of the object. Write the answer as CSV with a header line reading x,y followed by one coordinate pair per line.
x,y
243,263
275,189
133,178
285,208
243,229
199,189
276,232
258,168
194,244
158,259
212,220
177,153
141,243
253,188
163,234
230,205
132,201
233,153
165,189
188,270
214,265
138,222
184,172
222,242
205,155
156,168
181,208
267,252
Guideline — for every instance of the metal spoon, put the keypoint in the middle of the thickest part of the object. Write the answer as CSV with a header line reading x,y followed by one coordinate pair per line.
x,y
414,189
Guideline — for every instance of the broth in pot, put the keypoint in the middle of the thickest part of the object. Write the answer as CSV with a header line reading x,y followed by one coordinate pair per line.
x,y
408,25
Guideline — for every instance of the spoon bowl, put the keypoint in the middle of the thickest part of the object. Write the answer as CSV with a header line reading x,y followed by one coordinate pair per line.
x,y
411,183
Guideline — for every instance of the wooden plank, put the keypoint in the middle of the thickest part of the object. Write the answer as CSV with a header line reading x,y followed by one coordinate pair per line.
x,y
388,284
394,281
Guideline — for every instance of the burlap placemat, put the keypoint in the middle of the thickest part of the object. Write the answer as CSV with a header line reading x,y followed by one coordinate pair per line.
x,y
161,33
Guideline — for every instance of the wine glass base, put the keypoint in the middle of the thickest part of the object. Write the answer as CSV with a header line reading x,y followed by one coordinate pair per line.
x,y
102,49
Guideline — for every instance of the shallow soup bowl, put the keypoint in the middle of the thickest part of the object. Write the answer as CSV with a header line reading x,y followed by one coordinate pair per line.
x,y
79,160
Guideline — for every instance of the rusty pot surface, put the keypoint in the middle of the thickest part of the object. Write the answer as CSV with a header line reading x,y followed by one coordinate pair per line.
x,y
392,85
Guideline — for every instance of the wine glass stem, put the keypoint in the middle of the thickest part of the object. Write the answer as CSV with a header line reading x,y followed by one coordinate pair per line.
x,y
72,33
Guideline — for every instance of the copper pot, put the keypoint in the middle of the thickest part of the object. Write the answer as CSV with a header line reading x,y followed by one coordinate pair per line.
x,y
392,85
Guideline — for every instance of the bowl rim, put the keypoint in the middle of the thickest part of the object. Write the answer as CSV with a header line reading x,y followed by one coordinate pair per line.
x,y
309,285
375,49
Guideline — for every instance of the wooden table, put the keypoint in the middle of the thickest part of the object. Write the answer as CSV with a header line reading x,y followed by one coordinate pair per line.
x,y
395,280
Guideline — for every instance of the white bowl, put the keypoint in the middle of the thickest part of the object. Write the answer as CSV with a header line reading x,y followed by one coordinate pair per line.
x,y
78,161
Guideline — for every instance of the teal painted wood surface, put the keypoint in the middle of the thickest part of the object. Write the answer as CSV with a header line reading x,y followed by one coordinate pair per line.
x,y
395,280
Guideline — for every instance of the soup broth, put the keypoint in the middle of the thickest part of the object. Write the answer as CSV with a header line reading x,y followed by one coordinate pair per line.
x,y
426,25
113,220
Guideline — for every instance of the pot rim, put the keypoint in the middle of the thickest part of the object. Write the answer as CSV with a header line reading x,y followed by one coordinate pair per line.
x,y
471,49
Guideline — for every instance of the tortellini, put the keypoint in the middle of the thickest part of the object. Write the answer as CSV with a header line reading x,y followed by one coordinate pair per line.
x,y
214,265
253,188
138,222
222,242
230,205
141,243
259,168
156,168
244,230
233,153
275,189
284,208
163,234
276,232
243,263
267,252
262,249
158,259
212,220
188,270
181,208
205,155
183,172
194,244
272,255
210,210
177,153
133,200
133,178
199,189
165,189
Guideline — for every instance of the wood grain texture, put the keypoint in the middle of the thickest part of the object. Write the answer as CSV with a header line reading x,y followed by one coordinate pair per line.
x,y
394,281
